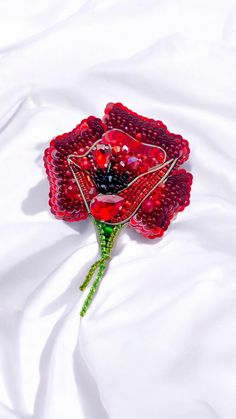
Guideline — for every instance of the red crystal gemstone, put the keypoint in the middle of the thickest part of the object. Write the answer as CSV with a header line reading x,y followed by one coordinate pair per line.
x,y
102,155
105,207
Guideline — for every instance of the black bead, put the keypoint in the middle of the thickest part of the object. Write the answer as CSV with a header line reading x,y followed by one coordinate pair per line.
x,y
109,181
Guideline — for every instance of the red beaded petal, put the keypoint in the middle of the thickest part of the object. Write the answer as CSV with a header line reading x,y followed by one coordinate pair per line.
x,y
65,199
146,130
169,199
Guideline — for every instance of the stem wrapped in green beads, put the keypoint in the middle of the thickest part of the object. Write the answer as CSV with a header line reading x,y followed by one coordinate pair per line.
x,y
107,235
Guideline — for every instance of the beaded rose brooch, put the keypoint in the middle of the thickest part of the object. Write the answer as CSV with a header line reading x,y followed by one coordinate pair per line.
x,y
123,169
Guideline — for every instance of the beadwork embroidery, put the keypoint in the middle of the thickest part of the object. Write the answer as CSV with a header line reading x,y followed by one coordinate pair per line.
x,y
121,170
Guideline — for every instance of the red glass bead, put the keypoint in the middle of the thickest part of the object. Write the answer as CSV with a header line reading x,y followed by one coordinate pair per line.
x,y
157,203
148,205
85,164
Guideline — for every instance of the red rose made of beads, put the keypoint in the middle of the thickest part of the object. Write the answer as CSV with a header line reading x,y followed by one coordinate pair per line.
x,y
123,169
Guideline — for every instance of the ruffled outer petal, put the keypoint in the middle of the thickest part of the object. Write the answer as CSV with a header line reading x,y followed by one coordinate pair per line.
x,y
147,130
65,199
170,198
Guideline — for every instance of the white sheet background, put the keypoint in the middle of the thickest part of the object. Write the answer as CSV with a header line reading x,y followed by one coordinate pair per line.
x,y
159,341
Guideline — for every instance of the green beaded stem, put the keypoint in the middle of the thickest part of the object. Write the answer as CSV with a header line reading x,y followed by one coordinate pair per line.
x,y
106,235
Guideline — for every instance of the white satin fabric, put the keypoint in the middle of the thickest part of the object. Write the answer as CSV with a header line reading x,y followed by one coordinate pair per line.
x,y
159,341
